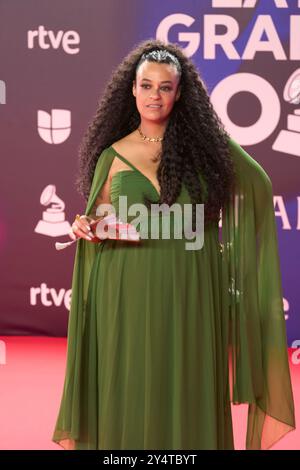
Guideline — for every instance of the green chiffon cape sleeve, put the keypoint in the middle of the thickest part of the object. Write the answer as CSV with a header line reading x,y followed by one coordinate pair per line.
x,y
68,420
257,344
254,325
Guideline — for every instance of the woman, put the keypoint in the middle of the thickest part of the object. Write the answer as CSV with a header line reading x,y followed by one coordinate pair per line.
x,y
162,339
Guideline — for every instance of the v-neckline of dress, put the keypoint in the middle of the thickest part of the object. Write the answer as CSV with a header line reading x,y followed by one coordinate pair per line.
x,y
136,169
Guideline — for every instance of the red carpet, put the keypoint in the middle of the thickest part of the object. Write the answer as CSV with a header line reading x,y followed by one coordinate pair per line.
x,y
31,379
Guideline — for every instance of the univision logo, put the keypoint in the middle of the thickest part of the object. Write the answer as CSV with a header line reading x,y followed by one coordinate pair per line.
x,y
54,128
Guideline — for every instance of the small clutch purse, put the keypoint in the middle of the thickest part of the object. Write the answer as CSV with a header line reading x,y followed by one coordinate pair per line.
x,y
107,227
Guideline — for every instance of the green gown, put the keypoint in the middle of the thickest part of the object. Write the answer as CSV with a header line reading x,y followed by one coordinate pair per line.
x,y
161,340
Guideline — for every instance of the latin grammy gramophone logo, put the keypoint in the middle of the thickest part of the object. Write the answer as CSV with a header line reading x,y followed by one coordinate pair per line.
x,y
288,140
53,221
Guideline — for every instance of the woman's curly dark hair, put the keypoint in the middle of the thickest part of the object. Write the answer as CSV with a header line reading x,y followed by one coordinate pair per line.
x,y
195,140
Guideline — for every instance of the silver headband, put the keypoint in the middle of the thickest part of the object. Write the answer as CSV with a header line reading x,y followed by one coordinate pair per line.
x,y
160,55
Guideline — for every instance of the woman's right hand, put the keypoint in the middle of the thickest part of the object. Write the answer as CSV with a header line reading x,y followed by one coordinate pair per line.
x,y
81,228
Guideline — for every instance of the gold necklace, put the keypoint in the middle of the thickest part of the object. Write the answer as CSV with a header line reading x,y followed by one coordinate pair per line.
x,y
149,139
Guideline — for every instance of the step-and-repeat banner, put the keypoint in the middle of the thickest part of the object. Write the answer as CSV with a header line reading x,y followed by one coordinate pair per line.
x,y
56,58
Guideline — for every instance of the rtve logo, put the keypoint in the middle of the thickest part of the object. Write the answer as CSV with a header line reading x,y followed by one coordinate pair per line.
x,y
54,128
46,39
48,296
